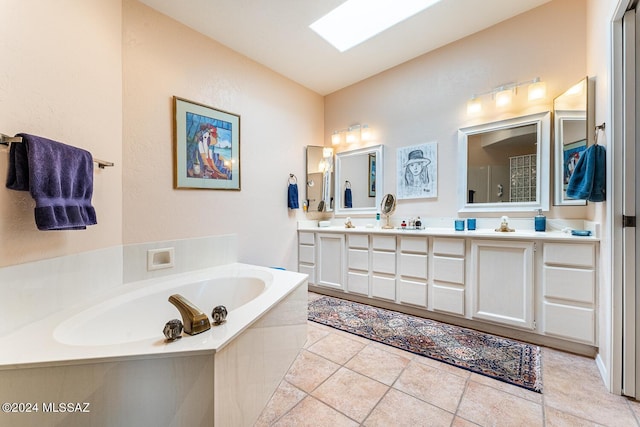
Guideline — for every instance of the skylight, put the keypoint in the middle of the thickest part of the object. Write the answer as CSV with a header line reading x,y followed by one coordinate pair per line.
x,y
355,21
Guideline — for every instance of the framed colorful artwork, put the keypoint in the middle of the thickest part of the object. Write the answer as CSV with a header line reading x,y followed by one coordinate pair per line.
x,y
206,147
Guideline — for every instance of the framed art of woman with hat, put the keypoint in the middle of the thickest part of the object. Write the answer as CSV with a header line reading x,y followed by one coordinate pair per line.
x,y
417,171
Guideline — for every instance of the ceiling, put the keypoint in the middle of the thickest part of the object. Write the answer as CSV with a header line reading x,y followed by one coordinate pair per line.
x,y
276,33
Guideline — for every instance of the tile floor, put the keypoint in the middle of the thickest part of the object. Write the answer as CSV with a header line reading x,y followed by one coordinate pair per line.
x,y
340,379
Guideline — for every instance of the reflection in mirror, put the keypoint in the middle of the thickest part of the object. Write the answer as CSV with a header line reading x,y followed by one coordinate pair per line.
x,y
319,173
570,125
358,181
504,165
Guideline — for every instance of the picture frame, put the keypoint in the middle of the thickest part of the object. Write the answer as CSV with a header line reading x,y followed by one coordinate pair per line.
x,y
206,147
372,175
417,171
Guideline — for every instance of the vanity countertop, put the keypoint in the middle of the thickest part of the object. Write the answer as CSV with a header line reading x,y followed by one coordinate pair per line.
x,y
449,232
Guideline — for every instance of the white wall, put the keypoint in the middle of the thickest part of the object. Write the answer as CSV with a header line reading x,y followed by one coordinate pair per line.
x,y
279,118
61,78
425,99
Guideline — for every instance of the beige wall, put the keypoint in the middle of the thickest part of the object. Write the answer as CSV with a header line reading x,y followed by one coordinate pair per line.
x,y
424,100
162,58
61,78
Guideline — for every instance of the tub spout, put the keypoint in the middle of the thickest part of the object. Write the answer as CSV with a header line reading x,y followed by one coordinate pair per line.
x,y
193,319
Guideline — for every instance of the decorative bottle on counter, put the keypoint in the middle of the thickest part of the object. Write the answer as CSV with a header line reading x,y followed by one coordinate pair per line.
x,y
540,221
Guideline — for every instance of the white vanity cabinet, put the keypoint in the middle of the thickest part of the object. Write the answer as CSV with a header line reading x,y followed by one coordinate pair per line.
x,y
383,266
529,286
569,291
502,282
448,290
330,262
413,262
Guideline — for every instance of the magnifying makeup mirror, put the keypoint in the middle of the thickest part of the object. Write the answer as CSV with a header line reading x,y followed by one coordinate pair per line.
x,y
387,207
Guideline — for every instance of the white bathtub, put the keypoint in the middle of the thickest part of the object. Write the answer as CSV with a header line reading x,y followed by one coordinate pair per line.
x,y
111,352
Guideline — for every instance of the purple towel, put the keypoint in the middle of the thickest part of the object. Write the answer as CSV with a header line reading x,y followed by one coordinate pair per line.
x,y
59,178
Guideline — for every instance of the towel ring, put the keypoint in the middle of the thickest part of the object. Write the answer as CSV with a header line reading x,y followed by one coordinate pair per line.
x,y
292,179
347,184
598,128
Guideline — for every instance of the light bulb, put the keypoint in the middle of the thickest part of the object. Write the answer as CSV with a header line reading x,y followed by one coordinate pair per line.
x,y
503,98
537,90
474,106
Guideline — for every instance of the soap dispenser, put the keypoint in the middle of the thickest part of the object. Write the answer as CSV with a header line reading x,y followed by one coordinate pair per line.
x,y
540,221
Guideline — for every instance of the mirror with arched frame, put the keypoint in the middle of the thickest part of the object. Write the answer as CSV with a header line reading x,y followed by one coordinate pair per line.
x,y
359,181
570,137
504,166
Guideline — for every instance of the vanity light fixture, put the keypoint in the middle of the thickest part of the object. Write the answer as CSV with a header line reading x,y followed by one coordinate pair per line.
x,y
352,135
503,95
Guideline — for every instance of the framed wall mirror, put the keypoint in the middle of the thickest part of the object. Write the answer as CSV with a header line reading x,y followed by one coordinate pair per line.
x,y
359,181
504,166
570,137
319,179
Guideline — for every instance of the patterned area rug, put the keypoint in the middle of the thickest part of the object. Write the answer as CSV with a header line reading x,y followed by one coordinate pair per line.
x,y
501,358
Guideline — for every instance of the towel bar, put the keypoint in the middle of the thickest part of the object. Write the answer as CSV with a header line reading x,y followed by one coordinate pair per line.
x,y
6,140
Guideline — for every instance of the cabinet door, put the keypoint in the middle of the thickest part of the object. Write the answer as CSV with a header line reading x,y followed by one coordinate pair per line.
x,y
331,260
502,282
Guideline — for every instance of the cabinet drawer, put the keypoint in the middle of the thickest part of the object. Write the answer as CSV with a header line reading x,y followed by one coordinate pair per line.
x,y
412,292
414,244
448,269
385,243
384,262
305,238
448,246
569,284
358,241
358,259
309,270
306,254
565,321
448,299
358,283
383,287
413,266
570,254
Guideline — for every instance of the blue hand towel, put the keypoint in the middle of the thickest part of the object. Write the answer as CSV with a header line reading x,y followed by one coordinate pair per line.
x,y
348,198
588,181
292,199
59,178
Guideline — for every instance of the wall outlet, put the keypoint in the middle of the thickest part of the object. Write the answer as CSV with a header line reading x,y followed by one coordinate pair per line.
x,y
158,259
